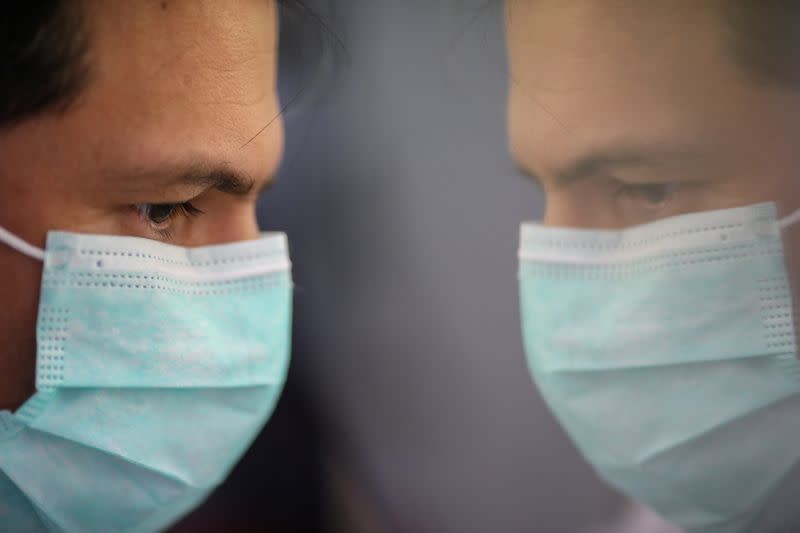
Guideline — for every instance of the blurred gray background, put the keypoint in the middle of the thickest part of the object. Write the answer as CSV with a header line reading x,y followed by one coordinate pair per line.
x,y
402,208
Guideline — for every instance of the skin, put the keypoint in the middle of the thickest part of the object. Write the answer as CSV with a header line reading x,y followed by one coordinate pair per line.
x,y
650,91
176,109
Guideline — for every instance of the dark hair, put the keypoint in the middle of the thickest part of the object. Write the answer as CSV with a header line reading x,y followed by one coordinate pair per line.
x,y
765,38
43,66
44,62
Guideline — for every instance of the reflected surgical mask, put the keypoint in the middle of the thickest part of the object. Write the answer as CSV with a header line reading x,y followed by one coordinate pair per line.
x,y
157,366
668,353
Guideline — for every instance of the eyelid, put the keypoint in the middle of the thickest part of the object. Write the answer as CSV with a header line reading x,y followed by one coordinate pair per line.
x,y
672,186
178,209
640,193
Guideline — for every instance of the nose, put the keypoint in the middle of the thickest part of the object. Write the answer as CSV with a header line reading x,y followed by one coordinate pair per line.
x,y
237,223
243,225
575,210
556,216
561,210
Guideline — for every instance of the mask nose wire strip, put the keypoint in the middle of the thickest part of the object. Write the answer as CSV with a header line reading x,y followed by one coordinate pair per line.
x,y
21,246
791,220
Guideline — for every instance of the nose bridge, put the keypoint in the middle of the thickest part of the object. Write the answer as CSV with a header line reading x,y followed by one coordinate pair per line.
x,y
572,208
239,223
248,227
554,214
244,224
563,210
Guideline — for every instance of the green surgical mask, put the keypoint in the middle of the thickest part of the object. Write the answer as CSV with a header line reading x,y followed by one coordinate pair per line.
x,y
157,366
668,353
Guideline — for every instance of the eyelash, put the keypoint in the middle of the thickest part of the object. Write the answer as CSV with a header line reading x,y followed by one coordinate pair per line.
x,y
183,209
637,191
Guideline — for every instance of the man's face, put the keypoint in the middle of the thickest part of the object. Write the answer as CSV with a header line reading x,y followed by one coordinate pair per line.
x,y
628,111
181,108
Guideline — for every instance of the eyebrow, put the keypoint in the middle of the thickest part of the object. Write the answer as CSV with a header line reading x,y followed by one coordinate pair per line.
x,y
219,177
623,156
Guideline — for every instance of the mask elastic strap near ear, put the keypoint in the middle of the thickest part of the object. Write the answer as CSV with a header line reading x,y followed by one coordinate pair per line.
x,y
21,246
790,220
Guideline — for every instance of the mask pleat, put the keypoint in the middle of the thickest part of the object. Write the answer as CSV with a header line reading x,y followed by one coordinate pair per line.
x,y
669,354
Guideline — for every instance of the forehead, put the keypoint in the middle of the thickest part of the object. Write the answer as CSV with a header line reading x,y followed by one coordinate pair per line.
x,y
589,72
178,75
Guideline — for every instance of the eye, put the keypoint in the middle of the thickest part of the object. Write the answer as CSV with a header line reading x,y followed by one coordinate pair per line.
x,y
647,195
157,214
160,216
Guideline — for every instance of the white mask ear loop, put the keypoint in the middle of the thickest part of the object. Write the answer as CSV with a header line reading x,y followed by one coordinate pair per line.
x,y
790,220
21,246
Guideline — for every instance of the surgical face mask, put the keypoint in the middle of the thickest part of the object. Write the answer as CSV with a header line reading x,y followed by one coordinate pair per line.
x,y
157,366
668,353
